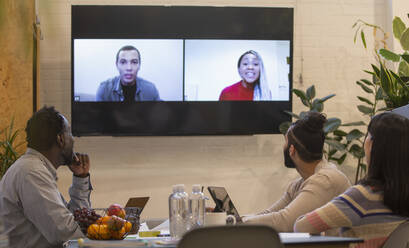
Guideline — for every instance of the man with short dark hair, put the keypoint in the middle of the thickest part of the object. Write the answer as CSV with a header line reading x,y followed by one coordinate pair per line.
x,y
127,87
33,210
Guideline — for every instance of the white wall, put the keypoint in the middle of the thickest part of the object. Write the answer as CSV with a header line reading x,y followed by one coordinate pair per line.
x,y
249,166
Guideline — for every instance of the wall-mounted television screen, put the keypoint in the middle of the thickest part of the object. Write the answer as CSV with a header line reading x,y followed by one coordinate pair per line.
x,y
180,70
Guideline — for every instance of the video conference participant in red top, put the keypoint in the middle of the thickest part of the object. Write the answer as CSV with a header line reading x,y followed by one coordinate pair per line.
x,y
253,86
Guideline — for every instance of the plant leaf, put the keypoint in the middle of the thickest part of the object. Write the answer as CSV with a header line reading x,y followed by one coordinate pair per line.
x,y
383,109
379,94
400,81
311,92
357,151
356,34
332,152
331,125
341,159
367,82
363,99
403,69
300,94
405,57
284,127
386,81
340,133
317,105
354,134
398,27
292,114
365,110
404,40
364,87
356,123
376,70
302,114
363,38
327,97
389,55
337,145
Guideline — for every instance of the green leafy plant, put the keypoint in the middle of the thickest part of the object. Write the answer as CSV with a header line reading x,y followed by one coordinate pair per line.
x,y
8,148
387,85
338,142
393,81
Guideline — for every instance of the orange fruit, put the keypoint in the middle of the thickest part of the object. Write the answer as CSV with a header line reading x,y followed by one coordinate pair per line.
x,y
92,231
128,226
115,223
119,234
103,232
103,220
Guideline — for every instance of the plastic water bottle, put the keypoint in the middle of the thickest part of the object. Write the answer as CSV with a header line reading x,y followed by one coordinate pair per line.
x,y
178,211
196,207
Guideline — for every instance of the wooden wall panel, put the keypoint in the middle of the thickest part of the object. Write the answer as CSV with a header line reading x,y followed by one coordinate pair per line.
x,y
16,63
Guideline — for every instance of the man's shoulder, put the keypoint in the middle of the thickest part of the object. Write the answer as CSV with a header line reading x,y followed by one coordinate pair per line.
x,y
329,177
145,83
109,83
24,167
28,163
331,170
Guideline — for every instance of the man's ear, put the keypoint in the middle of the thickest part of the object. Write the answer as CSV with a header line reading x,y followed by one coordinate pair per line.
x,y
292,150
60,140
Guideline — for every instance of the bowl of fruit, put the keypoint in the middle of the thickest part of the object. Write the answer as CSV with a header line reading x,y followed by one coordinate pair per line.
x,y
114,222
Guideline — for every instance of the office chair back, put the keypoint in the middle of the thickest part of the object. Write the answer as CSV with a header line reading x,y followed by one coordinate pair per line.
x,y
399,238
240,236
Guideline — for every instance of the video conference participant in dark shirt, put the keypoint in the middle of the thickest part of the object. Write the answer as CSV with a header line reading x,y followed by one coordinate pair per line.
x,y
127,87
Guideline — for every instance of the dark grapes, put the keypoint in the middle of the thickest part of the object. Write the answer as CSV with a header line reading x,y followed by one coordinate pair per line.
x,y
85,217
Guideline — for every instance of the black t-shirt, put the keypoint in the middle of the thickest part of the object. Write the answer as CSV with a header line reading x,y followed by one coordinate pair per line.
x,y
129,92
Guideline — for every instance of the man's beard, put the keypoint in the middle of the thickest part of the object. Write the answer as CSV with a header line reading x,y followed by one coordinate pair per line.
x,y
288,161
68,157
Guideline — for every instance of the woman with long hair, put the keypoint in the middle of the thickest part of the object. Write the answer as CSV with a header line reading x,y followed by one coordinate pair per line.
x,y
374,207
253,85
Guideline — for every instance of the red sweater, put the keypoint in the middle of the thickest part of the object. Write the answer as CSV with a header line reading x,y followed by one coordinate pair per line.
x,y
236,92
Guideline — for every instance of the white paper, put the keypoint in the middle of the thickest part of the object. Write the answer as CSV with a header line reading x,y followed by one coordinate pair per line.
x,y
164,226
288,235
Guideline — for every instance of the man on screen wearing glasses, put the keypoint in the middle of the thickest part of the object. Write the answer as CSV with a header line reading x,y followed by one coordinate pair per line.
x,y
127,87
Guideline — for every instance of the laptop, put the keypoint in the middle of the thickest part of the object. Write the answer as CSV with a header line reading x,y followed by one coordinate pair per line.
x,y
223,202
137,202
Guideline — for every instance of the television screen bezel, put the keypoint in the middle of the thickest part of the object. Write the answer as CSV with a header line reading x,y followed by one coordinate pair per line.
x,y
192,118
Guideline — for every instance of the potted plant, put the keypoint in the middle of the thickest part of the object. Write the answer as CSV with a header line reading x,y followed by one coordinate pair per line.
x,y
338,143
8,148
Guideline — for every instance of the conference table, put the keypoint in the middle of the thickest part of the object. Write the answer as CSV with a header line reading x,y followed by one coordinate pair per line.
x,y
289,241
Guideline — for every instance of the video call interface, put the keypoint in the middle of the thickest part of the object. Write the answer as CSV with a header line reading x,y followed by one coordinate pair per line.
x,y
181,69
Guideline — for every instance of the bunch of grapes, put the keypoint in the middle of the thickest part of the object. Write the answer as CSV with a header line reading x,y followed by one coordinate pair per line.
x,y
85,217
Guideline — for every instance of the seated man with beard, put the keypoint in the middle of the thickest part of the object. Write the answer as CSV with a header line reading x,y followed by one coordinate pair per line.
x,y
33,210
319,180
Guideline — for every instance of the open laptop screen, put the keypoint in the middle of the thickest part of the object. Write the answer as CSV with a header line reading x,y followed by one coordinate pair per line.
x,y
223,201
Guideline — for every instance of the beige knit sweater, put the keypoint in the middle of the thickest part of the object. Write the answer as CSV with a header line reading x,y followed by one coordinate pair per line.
x,y
303,196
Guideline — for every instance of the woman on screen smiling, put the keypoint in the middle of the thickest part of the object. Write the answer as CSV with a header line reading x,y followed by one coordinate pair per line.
x,y
253,86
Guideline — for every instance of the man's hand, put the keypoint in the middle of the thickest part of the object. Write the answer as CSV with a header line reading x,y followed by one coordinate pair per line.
x,y
81,165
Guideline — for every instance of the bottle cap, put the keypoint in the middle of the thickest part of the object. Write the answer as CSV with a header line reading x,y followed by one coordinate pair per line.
x,y
196,188
175,188
180,187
